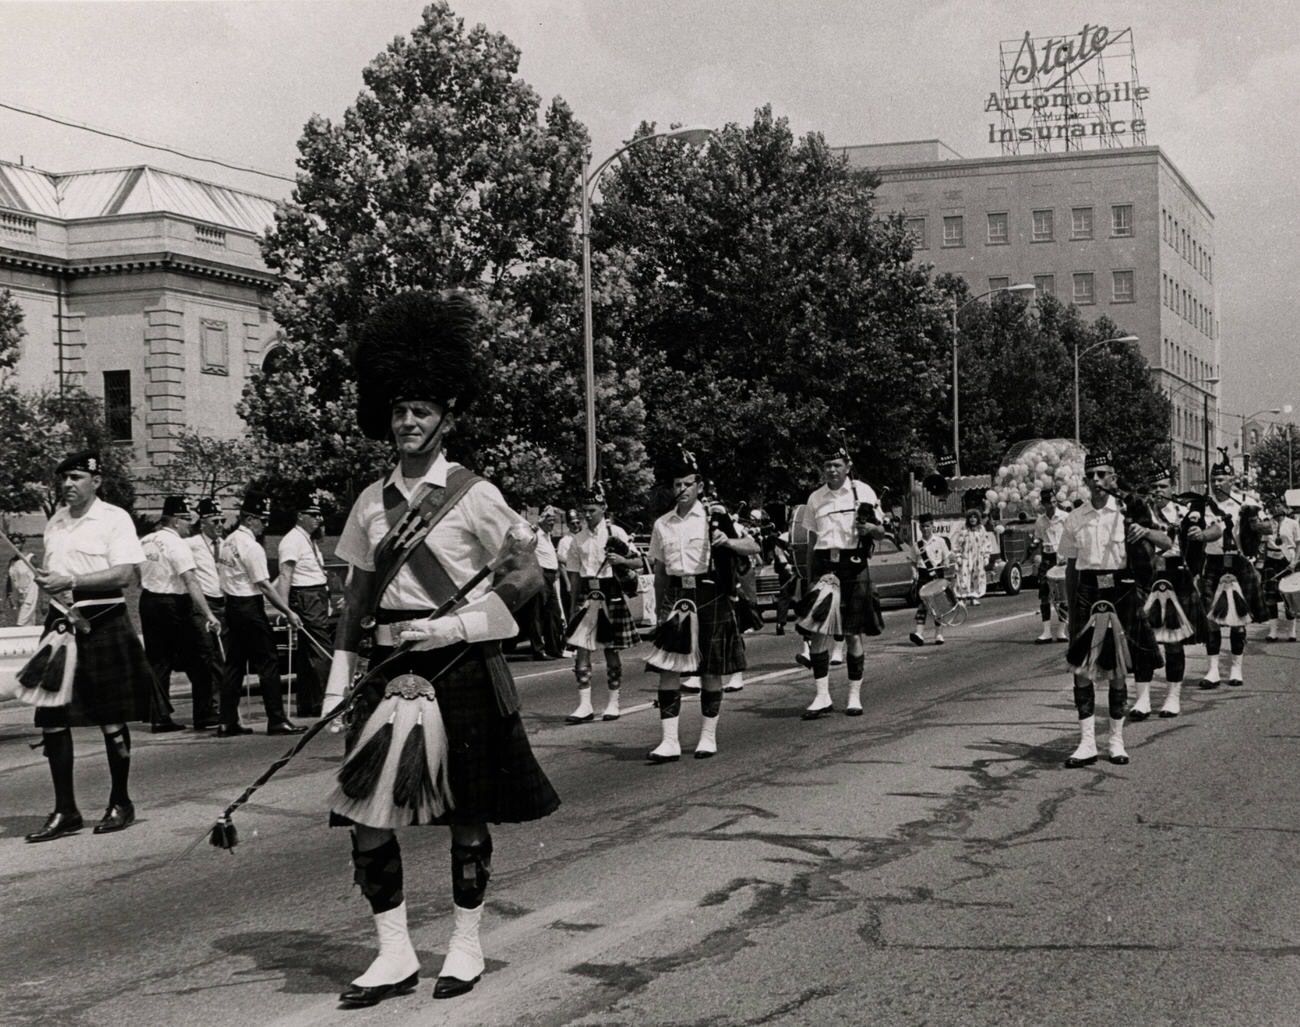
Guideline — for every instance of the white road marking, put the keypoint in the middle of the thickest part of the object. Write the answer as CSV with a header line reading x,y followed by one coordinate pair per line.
x,y
999,620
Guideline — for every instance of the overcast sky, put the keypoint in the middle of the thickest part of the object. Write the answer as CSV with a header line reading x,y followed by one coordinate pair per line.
x,y
237,80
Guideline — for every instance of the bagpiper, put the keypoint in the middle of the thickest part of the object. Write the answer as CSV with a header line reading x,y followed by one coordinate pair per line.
x,y
843,519
438,567
694,552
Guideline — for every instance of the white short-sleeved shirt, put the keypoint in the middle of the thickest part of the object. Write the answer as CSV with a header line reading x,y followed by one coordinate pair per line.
x,y
308,565
1284,540
547,558
680,544
1231,510
468,537
831,513
205,563
100,538
166,558
586,556
933,552
1094,539
242,564
562,551
1047,530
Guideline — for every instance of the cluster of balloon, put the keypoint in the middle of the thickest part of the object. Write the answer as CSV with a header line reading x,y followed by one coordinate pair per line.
x,y
1031,467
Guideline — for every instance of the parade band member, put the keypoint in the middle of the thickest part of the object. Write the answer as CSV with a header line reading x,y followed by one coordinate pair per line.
x,y
169,599
91,556
1174,606
1047,537
1279,559
205,546
1228,574
601,618
543,620
246,582
435,737
932,556
304,588
1108,629
694,552
843,519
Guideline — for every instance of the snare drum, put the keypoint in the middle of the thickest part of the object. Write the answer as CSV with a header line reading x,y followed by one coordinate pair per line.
x,y
1288,587
941,600
1056,590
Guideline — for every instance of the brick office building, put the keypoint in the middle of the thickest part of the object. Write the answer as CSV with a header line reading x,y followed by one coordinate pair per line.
x,y
144,287
1116,231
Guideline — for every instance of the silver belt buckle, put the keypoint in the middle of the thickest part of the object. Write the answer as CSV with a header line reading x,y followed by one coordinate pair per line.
x,y
593,583
688,581
1105,581
833,555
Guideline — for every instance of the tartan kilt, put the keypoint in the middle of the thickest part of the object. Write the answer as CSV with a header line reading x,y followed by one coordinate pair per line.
x,y
1127,596
1046,562
493,775
722,648
616,608
859,605
113,683
1274,571
1247,577
1189,598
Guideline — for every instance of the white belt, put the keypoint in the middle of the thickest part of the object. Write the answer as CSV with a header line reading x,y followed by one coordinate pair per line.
x,y
82,604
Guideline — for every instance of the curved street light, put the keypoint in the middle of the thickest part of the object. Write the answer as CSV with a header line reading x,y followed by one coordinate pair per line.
x,y
693,134
1077,357
956,438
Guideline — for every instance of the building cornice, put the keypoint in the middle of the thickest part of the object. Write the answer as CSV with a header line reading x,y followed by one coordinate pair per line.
x,y
163,260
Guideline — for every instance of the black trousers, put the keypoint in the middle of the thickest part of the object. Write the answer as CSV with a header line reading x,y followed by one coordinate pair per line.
x,y
542,620
167,622
210,652
250,646
310,668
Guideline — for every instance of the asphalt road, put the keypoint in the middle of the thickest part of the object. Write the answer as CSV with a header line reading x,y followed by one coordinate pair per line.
x,y
928,863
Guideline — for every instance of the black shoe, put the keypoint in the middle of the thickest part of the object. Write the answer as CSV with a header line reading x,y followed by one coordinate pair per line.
x,y
56,826
803,660
358,995
166,727
1207,684
853,711
450,987
780,629
916,638
1119,761
573,718
1137,715
1235,682
231,730
118,817
817,714
285,727
1073,763
650,757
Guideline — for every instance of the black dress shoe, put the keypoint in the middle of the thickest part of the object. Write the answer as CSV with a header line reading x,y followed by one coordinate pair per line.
x,y
359,995
573,718
650,757
1235,682
1138,715
56,826
1119,761
231,730
118,817
1074,762
285,727
166,727
1207,684
853,711
816,714
450,987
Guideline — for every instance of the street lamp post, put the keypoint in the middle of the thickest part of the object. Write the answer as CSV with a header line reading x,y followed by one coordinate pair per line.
x,y
1077,357
1205,417
694,135
956,438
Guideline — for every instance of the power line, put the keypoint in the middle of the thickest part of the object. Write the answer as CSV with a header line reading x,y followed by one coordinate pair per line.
x,y
140,142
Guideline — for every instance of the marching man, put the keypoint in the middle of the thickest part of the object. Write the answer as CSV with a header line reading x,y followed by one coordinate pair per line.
x,y
843,519
695,572
1047,538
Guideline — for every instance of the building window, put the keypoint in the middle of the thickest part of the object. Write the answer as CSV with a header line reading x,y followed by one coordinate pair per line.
x,y
117,405
1043,228
915,229
1122,286
996,284
214,347
1081,223
1121,219
1083,288
997,230
954,233
1045,284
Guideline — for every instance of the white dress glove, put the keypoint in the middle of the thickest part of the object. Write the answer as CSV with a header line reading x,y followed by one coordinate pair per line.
x,y
432,632
342,669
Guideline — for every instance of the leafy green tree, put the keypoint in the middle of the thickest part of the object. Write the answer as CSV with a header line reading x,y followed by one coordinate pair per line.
x,y
446,172
764,301
1276,462
206,466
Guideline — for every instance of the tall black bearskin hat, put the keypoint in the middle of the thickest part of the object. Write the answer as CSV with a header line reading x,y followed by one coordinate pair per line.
x,y
1223,466
256,504
1101,458
417,346
593,493
836,446
176,506
683,464
209,507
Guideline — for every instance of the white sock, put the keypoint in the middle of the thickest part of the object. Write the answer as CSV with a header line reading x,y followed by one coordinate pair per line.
x,y
611,707
855,696
1061,629
938,633
1212,672
1143,704
708,735
1234,668
733,682
1087,739
584,703
1115,742
1171,707
397,959
1046,634
823,697
668,744
464,953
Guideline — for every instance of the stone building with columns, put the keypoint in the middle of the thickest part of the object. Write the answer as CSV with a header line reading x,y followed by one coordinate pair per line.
x,y
144,287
